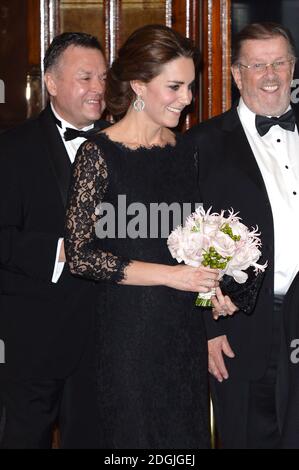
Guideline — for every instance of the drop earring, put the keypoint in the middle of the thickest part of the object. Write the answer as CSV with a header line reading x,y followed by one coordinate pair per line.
x,y
139,104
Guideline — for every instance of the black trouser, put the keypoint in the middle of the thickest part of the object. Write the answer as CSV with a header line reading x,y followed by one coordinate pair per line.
x,y
30,410
32,407
246,412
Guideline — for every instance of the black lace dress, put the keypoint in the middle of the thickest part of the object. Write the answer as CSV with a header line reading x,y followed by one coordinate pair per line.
x,y
151,344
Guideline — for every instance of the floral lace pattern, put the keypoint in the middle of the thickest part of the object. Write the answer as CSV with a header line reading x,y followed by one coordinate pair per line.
x,y
88,187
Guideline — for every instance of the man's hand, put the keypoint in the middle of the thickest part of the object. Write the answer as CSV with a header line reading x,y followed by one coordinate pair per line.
x,y
222,305
218,346
62,258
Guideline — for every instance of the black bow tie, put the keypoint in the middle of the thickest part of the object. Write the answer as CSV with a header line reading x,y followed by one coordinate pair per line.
x,y
287,121
71,134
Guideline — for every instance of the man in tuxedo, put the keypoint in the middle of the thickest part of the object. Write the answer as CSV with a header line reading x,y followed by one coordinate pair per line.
x,y
249,161
46,314
290,435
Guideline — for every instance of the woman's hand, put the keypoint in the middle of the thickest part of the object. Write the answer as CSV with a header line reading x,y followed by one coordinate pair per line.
x,y
191,279
222,305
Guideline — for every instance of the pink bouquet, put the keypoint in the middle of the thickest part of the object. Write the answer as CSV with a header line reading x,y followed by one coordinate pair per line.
x,y
217,241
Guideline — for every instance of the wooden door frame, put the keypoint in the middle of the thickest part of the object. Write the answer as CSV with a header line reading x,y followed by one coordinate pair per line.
x,y
216,50
49,28
206,22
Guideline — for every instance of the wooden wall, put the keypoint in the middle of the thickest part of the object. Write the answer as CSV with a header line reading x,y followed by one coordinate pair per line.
x,y
13,61
27,28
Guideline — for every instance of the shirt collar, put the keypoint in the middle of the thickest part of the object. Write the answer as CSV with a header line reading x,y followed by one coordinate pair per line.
x,y
65,124
247,116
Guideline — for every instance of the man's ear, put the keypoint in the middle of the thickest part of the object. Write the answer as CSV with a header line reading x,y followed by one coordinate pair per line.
x,y
51,84
236,73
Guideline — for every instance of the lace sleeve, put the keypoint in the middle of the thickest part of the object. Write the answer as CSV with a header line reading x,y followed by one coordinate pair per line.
x,y
88,187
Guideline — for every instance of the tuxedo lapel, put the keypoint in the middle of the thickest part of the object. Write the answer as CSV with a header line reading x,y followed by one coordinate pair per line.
x,y
57,153
238,150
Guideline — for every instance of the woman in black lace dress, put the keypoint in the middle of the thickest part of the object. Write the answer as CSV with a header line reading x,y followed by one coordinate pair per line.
x,y
151,345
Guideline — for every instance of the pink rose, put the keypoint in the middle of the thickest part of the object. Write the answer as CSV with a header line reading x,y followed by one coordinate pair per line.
x,y
224,245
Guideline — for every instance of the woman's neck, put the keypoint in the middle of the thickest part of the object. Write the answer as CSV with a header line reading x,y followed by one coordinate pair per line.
x,y
136,131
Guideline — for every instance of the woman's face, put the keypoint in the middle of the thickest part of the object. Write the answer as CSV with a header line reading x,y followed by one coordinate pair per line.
x,y
169,93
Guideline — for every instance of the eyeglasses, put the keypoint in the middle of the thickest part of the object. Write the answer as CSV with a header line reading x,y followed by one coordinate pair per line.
x,y
277,66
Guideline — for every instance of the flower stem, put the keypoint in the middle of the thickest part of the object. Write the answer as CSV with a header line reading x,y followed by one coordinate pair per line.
x,y
203,302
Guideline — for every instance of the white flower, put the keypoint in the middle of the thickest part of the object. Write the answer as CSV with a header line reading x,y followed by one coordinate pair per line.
x,y
194,224
174,243
239,276
239,229
193,245
247,255
211,225
224,245
187,246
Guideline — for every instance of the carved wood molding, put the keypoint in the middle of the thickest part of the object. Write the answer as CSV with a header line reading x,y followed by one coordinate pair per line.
x,y
207,22
112,28
49,28
216,47
183,16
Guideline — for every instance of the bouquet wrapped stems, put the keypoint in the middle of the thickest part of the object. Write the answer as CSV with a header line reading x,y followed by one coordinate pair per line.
x,y
204,299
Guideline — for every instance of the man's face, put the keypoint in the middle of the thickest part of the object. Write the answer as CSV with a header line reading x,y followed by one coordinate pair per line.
x,y
265,92
77,85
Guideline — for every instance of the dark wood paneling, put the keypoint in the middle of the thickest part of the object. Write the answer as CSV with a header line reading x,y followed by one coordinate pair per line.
x,y
33,32
216,81
33,82
13,61
207,22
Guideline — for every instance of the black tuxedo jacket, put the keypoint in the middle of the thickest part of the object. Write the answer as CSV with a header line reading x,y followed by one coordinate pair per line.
x,y
44,326
290,366
229,177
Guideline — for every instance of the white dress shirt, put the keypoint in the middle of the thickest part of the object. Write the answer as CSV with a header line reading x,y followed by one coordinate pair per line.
x,y
71,147
277,155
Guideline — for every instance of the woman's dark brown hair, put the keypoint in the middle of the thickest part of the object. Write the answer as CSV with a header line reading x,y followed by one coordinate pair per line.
x,y
142,58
